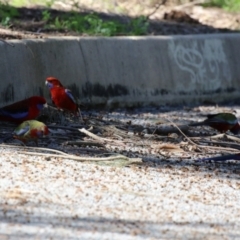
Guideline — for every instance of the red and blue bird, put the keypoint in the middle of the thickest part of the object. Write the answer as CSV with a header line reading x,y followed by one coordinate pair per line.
x,y
26,109
61,97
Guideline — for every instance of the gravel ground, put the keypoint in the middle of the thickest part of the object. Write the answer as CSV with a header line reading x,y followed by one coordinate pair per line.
x,y
170,197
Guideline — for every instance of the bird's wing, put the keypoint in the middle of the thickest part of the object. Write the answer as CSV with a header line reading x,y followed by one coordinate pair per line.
x,y
16,110
14,114
69,93
222,118
20,131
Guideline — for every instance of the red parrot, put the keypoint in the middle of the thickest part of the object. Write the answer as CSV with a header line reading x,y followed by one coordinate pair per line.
x,y
27,109
222,122
61,96
54,81
30,130
221,158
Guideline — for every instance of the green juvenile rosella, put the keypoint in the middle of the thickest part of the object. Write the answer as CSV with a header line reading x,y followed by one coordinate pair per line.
x,y
222,122
30,131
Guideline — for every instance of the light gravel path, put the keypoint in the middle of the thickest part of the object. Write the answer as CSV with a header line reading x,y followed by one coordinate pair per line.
x,y
56,198
65,199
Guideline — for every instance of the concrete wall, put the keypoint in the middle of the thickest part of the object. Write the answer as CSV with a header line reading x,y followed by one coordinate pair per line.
x,y
125,70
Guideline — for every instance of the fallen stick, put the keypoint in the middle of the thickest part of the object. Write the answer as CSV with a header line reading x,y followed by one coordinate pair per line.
x,y
35,148
100,139
236,139
92,135
223,144
79,143
82,159
62,127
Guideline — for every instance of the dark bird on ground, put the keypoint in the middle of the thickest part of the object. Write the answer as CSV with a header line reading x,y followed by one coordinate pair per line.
x,y
222,122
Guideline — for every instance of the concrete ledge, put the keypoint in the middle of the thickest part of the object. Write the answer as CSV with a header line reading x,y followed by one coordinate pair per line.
x,y
125,70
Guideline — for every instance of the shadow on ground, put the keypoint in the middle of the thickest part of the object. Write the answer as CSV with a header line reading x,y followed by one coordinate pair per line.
x,y
57,227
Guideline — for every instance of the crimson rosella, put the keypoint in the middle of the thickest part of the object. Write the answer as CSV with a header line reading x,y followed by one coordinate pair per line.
x,y
222,122
27,109
62,97
30,130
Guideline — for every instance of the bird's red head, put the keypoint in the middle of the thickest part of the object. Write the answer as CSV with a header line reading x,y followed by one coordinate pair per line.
x,y
38,101
53,82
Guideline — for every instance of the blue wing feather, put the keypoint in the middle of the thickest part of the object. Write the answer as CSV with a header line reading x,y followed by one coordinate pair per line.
x,y
69,93
22,131
15,115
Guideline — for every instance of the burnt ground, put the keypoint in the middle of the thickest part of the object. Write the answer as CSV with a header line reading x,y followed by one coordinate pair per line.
x,y
29,23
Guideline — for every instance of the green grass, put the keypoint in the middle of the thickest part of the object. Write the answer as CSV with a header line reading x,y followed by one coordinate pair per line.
x,y
7,13
22,3
229,5
91,24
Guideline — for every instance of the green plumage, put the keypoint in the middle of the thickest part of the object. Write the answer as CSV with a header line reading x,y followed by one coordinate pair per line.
x,y
222,122
30,130
222,117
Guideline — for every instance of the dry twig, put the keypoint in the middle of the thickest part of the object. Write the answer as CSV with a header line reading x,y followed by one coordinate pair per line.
x,y
82,159
35,148
201,146
100,139
157,6
68,156
80,143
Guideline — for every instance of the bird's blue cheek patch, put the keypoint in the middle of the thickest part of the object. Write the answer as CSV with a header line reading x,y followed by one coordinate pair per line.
x,y
40,106
49,85
39,133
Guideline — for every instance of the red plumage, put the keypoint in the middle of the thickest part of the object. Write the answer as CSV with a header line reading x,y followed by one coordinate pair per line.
x,y
61,97
26,109
54,81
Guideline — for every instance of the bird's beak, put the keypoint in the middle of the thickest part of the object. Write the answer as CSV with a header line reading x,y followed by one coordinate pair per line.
x,y
45,105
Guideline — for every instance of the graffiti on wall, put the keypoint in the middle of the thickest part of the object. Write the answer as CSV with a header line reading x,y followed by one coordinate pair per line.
x,y
205,62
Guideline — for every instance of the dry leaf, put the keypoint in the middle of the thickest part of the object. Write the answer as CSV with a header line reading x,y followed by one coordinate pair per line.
x,y
169,147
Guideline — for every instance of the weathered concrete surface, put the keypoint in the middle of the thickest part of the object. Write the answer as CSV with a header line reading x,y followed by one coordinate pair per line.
x,y
125,70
